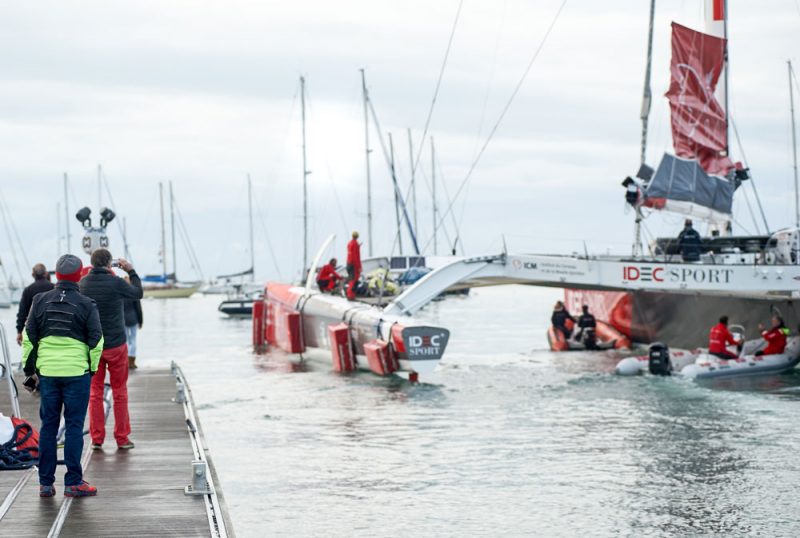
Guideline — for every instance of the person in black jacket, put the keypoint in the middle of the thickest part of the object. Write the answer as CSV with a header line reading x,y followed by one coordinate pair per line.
x,y
689,242
109,291
41,282
133,322
587,325
560,317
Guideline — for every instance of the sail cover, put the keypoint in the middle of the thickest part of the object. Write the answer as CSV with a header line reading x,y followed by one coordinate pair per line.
x,y
682,186
699,128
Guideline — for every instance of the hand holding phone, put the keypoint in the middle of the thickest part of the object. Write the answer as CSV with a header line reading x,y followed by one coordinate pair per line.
x,y
31,383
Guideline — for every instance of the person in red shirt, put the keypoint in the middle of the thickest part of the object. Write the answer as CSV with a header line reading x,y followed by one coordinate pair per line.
x,y
353,265
327,277
719,338
775,337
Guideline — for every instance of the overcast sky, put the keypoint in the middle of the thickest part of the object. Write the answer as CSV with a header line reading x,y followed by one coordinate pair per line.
x,y
203,93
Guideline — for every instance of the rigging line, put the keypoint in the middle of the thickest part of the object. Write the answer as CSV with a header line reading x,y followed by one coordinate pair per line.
x,y
122,232
750,210
430,191
187,242
262,220
504,111
456,228
393,173
438,85
752,180
16,232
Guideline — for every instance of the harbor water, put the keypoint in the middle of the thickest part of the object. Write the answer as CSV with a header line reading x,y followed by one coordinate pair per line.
x,y
505,439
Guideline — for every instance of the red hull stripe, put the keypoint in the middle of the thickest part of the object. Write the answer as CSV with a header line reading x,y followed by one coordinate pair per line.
x,y
719,10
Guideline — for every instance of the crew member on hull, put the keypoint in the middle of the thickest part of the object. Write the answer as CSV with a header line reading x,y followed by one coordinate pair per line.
x,y
587,325
689,242
560,317
719,338
327,277
353,265
775,337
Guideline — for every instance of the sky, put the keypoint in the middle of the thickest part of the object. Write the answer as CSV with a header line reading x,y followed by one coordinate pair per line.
x,y
203,94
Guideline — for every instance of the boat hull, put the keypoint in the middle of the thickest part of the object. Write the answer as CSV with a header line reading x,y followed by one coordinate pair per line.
x,y
681,320
170,292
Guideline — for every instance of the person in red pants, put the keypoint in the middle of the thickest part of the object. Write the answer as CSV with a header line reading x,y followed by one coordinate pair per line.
x,y
109,292
353,265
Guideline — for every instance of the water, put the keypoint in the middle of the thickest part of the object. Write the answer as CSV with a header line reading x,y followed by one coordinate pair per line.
x,y
505,439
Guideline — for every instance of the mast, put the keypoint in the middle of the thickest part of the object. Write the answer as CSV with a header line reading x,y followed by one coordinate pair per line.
x,y
58,230
717,25
413,183
305,174
125,238
172,226
396,199
250,218
163,230
794,149
645,117
66,214
99,187
433,195
367,151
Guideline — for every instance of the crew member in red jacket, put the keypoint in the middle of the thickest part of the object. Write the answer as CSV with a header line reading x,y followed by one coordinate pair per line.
x,y
353,265
719,338
775,337
328,277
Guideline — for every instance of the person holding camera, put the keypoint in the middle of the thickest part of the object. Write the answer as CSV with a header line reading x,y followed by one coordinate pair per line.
x,y
61,347
109,292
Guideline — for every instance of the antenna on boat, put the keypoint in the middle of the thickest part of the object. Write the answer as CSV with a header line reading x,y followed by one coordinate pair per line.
x,y
794,147
367,151
305,173
645,116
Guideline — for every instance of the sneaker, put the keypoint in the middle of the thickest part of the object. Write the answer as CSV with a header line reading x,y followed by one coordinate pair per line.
x,y
127,446
81,490
47,491
97,446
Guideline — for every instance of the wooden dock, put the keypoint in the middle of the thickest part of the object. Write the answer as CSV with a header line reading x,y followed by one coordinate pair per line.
x,y
141,491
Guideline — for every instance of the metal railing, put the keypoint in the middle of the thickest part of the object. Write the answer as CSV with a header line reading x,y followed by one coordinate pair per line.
x,y
8,373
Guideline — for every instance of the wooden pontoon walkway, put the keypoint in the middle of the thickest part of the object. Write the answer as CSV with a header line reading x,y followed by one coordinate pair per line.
x,y
140,492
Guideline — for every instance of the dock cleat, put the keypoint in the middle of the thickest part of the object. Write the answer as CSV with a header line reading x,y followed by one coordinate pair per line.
x,y
81,490
47,491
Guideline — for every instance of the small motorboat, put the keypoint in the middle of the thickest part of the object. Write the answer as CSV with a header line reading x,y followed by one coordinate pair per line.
x,y
700,364
604,336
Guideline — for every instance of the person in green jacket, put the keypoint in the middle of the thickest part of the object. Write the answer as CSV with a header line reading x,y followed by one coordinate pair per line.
x,y
61,347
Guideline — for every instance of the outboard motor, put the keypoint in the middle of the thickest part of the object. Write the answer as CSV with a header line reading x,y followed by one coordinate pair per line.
x,y
659,359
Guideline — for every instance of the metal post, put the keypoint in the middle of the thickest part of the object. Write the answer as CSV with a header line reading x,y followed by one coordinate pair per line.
x,y
367,151
12,390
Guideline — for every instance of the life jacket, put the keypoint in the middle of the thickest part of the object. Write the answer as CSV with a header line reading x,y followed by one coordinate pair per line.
x,y
776,340
718,338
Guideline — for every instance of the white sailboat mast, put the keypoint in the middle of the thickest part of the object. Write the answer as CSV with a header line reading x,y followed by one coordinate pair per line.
x,y
716,15
66,215
433,195
250,216
305,174
794,148
367,151
172,226
163,230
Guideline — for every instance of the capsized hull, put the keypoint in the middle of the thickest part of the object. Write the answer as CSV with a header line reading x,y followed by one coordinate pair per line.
x,y
356,335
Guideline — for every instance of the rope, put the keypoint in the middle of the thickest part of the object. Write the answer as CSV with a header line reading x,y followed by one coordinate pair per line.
x,y
752,179
438,85
503,113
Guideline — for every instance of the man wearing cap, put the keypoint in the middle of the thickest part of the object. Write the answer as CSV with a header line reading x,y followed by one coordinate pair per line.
x,y
41,282
689,242
109,292
353,265
61,347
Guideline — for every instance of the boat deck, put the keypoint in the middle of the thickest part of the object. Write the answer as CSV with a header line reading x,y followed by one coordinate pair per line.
x,y
140,492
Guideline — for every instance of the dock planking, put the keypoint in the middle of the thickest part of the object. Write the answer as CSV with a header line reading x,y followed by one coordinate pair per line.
x,y
140,491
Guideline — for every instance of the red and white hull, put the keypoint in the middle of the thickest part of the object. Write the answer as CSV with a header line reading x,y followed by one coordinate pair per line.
x,y
349,334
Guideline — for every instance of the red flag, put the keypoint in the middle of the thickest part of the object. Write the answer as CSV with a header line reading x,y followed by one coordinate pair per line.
x,y
699,129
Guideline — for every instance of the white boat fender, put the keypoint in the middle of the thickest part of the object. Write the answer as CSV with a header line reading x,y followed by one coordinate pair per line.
x,y
631,366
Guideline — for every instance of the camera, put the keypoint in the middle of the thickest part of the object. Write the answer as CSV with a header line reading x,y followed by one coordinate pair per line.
x,y
114,263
